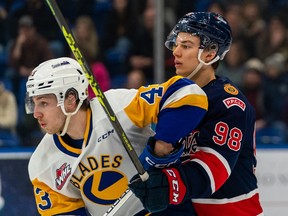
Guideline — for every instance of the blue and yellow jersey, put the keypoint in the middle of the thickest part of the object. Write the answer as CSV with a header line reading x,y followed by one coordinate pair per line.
x,y
75,176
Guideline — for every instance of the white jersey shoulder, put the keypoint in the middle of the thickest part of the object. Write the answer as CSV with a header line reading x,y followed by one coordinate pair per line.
x,y
100,172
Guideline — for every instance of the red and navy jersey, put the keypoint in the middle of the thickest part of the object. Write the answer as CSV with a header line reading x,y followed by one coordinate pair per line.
x,y
220,157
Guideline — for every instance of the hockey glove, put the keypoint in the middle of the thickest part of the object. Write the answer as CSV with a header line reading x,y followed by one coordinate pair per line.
x,y
150,160
162,188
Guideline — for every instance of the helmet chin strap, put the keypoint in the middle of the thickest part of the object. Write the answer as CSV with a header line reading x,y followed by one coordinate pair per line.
x,y
67,121
199,66
68,117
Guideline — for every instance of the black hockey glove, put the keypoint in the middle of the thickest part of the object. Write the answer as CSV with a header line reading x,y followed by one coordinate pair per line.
x,y
162,188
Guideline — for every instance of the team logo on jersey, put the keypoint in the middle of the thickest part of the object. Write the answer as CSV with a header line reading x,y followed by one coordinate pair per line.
x,y
190,143
62,175
105,187
233,101
230,89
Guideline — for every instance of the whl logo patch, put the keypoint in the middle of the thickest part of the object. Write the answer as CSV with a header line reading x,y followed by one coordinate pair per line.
x,y
62,175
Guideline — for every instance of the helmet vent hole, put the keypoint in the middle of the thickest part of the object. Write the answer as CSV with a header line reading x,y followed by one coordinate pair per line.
x,y
79,72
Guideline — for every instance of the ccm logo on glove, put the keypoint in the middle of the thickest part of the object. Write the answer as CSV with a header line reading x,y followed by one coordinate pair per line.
x,y
153,164
177,189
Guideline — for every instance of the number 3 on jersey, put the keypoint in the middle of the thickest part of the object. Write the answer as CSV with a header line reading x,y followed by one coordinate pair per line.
x,y
44,199
150,95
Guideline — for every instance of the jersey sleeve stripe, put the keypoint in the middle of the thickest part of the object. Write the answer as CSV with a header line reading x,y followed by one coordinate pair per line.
x,y
214,167
189,95
218,155
178,85
176,92
244,205
227,200
209,173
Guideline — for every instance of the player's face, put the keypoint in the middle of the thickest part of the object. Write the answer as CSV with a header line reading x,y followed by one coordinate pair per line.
x,y
186,53
50,116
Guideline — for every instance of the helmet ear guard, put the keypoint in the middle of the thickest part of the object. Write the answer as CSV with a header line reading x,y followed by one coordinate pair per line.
x,y
72,91
213,47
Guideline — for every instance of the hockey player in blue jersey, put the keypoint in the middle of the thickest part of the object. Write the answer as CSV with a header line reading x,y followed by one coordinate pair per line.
x,y
217,175
80,164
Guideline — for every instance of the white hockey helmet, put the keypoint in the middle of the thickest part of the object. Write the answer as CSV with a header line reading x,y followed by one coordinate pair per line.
x,y
56,76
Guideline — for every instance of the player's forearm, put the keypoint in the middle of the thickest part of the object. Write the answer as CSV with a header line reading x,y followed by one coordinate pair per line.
x,y
162,148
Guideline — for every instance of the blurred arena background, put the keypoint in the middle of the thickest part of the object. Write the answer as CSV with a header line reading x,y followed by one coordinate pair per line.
x,y
123,41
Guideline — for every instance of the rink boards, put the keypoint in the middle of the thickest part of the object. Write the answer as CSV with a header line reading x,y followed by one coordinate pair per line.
x,y
16,193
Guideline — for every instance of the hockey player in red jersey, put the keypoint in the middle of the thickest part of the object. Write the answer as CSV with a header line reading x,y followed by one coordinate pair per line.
x,y
217,175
